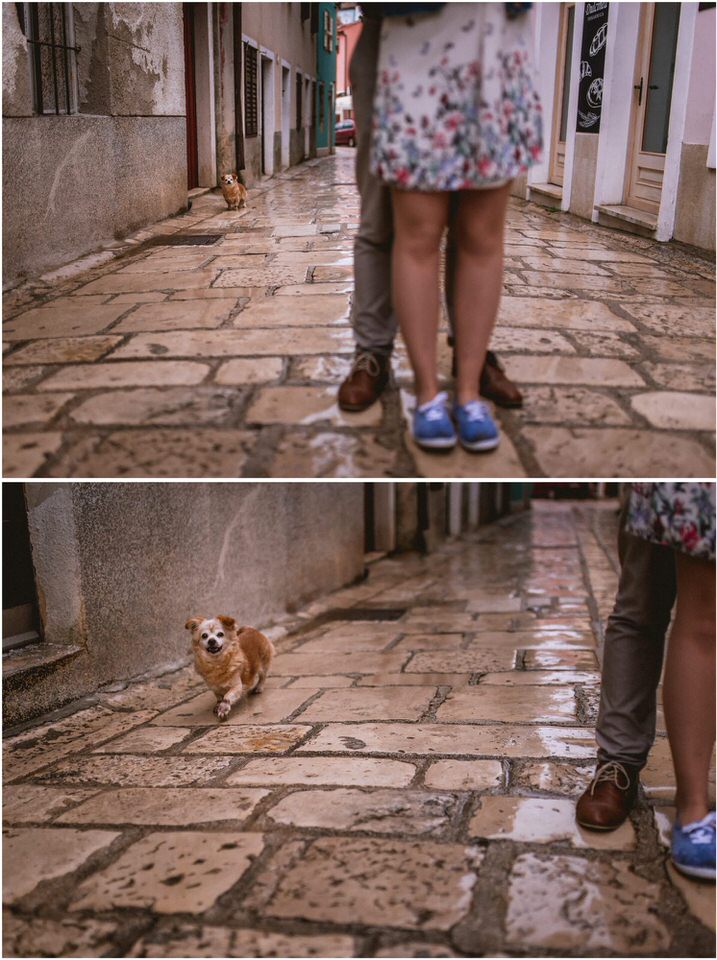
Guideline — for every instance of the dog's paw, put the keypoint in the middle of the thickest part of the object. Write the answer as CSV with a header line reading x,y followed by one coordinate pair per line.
x,y
222,710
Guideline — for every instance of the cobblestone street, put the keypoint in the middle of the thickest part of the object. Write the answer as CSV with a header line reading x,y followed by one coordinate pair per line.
x,y
405,785
224,360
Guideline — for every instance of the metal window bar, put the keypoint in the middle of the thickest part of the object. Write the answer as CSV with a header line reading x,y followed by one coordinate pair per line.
x,y
55,49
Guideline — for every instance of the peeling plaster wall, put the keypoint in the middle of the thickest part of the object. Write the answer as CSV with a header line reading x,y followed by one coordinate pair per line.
x,y
120,567
72,182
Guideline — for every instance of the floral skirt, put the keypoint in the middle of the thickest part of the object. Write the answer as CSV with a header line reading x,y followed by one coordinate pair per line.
x,y
677,515
455,106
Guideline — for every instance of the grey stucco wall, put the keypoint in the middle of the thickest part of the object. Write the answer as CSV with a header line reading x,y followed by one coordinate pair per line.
x,y
695,211
71,182
120,567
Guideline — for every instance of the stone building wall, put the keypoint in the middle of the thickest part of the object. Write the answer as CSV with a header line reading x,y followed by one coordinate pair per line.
x,y
120,567
119,161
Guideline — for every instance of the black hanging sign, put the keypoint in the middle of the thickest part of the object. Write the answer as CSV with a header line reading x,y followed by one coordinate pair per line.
x,y
592,67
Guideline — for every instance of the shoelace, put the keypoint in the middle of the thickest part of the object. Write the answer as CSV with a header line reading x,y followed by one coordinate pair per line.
x,y
611,772
703,831
475,410
437,408
367,362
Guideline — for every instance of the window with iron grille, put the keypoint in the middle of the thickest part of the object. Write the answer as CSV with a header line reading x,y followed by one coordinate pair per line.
x,y
299,100
251,93
49,30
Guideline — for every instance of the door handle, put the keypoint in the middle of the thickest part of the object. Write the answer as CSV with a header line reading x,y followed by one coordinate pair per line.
x,y
638,87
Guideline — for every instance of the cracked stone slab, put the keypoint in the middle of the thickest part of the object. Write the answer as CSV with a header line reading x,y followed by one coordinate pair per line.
x,y
464,775
539,704
303,312
477,660
195,344
36,748
532,820
136,373
569,904
160,452
40,937
64,350
415,812
163,406
31,409
178,315
167,806
29,803
208,941
301,664
36,854
325,771
25,453
489,740
418,885
62,318
561,778
270,706
272,738
135,771
369,703
146,740
171,872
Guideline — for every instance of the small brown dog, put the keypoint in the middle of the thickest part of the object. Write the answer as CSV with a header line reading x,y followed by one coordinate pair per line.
x,y
234,192
231,659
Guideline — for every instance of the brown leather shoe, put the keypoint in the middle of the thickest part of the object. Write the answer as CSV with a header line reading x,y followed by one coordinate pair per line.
x,y
366,381
610,797
496,386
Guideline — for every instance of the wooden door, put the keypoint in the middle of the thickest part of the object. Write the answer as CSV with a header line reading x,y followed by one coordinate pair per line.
x,y
655,67
191,97
562,94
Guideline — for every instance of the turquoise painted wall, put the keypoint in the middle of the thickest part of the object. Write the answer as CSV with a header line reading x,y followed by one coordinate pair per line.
x,y
326,75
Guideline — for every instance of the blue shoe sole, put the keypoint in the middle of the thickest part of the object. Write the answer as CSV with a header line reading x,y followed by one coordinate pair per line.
x,y
438,443
701,873
479,446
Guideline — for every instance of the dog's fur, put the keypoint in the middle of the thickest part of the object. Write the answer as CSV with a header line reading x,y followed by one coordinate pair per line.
x,y
234,192
231,659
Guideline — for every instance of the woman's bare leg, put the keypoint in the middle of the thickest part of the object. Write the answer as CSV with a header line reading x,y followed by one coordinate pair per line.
x,y
478,280
419,221
689,685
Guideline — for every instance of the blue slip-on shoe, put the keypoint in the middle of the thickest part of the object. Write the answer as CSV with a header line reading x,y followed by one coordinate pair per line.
x,y
693,847
477,430
432,425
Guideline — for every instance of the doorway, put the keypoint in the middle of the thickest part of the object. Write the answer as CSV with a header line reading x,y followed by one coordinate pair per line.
x,y
267,116
191,97
285,116
20,618
654,72
562,94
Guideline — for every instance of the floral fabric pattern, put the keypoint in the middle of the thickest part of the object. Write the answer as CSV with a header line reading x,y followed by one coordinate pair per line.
x,y
677,515
455,106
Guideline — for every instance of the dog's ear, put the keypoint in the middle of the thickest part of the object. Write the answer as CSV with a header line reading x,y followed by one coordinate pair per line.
x,y
193,622
228,622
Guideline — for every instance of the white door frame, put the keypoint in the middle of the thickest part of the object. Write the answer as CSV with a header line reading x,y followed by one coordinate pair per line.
x,y
204,91
623,34
547,28
285,114
573,104
268,108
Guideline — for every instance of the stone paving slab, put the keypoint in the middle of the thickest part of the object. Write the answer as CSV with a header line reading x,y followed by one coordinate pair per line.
x,y
315,823
610,336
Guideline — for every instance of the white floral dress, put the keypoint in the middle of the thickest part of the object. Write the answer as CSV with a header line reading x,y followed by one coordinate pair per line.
x,y
677,515
455,106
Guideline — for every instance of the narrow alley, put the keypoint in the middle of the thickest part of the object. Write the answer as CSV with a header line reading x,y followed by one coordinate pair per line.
x,y
161,358
405,785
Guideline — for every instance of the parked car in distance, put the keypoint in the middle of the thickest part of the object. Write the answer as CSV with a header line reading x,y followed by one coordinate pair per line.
x,y
346,133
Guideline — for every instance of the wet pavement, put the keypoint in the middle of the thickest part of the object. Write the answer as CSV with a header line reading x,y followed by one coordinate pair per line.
x,y
404,786
224,360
